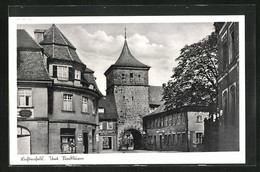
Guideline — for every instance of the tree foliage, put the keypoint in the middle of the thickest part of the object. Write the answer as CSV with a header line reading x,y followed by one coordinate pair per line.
x,y
194,80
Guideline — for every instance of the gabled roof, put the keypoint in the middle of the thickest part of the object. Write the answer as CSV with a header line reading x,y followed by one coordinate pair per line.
x,y
30,59
57,46
127,59
155,95
109,105
25,41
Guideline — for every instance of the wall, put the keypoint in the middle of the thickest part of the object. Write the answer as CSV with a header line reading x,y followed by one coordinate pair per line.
x,y
115,77
76,114
132,105
39,135
39,102
228,131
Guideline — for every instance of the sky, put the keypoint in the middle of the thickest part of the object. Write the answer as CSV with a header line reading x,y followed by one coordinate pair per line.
x,y
156,44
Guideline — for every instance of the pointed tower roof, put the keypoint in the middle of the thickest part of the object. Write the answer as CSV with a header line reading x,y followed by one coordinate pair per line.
x,y
54,36
57,46
126,59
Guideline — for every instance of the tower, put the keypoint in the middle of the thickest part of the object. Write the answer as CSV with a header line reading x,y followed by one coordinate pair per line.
x,y
127,82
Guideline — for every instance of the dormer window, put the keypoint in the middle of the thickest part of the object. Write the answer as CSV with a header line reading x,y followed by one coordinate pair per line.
x,y
63,73
77,74
91,86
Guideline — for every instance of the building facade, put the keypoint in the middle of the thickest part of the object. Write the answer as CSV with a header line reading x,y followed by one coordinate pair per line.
x,y
175,130
71,109
224,128
33,86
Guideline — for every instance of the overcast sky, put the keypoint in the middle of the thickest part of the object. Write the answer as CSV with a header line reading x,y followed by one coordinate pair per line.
x,y
156,45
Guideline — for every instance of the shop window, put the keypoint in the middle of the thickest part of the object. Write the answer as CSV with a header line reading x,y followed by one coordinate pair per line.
x,y
23,140
67,137
84,104
77,74
199,137
67,102
25,97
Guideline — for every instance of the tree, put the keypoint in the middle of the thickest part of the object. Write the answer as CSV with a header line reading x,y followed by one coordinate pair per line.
x,y
194,80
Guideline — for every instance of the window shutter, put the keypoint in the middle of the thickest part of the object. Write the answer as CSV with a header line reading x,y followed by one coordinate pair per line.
x,y
54,72
71,74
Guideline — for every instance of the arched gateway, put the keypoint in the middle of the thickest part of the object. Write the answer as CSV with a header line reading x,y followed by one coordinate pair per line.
x,y
131,140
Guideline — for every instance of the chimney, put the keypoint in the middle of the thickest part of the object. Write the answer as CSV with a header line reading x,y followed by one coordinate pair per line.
x,y
39,34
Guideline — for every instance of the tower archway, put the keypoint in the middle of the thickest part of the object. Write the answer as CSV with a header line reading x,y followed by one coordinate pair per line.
x,y
132,140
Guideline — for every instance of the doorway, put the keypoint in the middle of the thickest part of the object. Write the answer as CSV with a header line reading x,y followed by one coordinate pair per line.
x,y
85,142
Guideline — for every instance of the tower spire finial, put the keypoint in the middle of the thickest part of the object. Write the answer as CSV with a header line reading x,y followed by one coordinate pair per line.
x,y
125,32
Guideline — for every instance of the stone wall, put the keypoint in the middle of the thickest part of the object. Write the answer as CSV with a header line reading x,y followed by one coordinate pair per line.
x,y
132,105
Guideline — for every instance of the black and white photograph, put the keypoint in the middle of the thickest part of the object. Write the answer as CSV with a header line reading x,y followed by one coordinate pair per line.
x,y
124,90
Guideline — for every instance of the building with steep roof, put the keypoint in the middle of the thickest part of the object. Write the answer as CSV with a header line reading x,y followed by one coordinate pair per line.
x,y
128,98
68,109
33,84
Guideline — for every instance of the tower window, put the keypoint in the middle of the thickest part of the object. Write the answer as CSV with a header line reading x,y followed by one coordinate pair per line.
x,y
131,75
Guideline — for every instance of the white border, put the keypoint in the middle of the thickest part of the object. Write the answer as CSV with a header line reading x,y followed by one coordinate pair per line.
x,y
131,158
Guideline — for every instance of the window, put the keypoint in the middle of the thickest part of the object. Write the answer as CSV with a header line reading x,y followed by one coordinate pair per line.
x,y
92,102
67,102
183,118
152,124
131,75
77,74
198,137
183,138
225,51
179,138
109,125
232,104
63,72
91,86
25,97
123,76
225,107
199,118
101,125
101,110
173,119
67,137
173,139
84,104
178,119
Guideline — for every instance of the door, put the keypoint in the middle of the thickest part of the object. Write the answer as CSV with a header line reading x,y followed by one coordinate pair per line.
x,y
85,142
161,142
